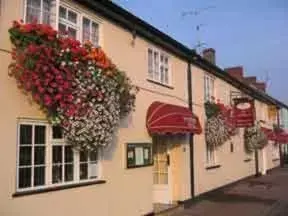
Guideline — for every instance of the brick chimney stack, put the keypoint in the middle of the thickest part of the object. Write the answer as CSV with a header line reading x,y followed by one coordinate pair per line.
x,y
250,79
210,55
236,72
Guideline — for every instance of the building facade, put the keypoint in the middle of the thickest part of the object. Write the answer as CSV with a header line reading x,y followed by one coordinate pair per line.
x,y
42,175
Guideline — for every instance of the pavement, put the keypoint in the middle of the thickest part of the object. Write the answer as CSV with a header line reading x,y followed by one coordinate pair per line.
x,y
257,196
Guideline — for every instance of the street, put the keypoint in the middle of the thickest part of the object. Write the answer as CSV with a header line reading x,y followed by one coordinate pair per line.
x,y
262,196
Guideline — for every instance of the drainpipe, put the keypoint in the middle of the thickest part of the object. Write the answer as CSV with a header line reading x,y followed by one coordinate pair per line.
x,y
257,173
191,140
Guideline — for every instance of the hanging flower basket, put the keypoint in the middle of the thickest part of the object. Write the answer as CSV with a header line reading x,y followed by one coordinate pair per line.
x,y
76,85
254,138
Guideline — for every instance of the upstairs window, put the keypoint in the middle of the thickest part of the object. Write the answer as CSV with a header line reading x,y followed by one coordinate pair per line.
x,y
90,31
68,22
39,10
209,88
158,67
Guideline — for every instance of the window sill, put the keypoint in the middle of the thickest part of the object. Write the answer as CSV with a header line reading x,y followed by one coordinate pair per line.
x,y
210,167
57,188
248,160
161,84
275,159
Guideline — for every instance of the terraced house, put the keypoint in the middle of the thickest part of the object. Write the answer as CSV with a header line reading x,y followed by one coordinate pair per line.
x,y
158,156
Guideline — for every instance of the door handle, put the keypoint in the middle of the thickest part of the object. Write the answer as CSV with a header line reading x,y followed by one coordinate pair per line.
x,y
168,159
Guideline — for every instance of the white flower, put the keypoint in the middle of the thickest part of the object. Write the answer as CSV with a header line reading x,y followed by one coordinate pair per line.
x,y
67,50
63,63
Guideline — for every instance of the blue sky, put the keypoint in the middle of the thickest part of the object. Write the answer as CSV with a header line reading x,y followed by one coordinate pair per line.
x,y
252,33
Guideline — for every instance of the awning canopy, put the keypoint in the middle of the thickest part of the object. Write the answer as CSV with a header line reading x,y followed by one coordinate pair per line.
x,y
167,118
280,137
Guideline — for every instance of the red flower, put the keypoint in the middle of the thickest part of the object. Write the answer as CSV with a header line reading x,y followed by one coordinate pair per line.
x,y
47,100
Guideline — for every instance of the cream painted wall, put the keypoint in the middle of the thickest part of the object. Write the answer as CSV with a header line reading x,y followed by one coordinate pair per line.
x,y
127,192
233,167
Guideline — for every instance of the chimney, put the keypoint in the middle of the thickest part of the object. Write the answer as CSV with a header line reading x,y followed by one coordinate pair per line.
x,y
209,55
261,86
236,72
250,80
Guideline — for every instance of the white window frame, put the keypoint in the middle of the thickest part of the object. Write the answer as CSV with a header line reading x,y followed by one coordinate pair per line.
x,y
209,87
152,71
85,16
48,160
80,15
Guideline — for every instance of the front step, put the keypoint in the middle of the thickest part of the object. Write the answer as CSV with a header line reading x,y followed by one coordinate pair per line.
x,y
167,209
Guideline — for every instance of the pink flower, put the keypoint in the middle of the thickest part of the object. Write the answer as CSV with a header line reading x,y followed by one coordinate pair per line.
x,y
47,100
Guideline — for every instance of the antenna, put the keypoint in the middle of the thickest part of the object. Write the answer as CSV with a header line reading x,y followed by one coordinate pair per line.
x,y
267,79
199,44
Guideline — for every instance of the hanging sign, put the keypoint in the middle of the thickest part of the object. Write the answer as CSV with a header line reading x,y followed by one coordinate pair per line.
x,y
272,112
243,112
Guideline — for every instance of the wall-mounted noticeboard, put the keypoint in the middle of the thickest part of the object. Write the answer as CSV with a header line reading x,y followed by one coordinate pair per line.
x,y
139,155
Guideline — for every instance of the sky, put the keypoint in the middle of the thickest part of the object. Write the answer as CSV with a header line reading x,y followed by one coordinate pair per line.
x,y
251,33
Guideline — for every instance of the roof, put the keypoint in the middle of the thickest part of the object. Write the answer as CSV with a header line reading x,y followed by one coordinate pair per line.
x,y
137,26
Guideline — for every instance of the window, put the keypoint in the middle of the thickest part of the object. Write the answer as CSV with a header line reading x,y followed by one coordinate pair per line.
x,y
158,67
68,22
210,156
90,31
275,151
44,159
209,91
39,10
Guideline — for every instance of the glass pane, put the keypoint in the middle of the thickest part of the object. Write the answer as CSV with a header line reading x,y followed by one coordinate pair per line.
x,y
155,178
62,12
24,177
46,11
25,156
62,29
40,135
57,154
93,168
93,156
69,172
163,178
83,156
86,30
56,174
72,33
33,10
166,75
68,154
83,171
26,134
95,34
39,176
57,131
162,74
39,155
72,17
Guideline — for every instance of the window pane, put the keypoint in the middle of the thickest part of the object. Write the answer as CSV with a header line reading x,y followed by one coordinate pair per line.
x,y
86,30
68,154
162,74
95,34
72,33
83,171
93,170
39,155
68,172
57,131
156,66
72,17
39,137
83,156
62,12
46,11
56,174
57,154
25,156
25,134
62,29
24,177
33,10
39,176
166,76
93,156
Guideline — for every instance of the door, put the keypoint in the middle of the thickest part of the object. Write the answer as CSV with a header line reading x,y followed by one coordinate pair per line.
x,y
161,171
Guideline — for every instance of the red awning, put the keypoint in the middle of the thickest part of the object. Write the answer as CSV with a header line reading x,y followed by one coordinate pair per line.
x,y
168,118
269,133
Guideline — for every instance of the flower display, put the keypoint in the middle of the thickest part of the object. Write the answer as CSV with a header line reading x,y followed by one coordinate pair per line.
x,y
254,138
77,85
219,126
